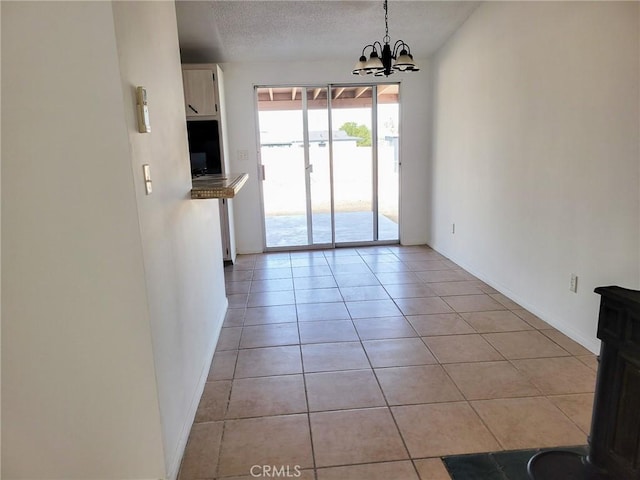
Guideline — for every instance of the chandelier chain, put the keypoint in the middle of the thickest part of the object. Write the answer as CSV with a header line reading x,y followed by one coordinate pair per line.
x,y
386,38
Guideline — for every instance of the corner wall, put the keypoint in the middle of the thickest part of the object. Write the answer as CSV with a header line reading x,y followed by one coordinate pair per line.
x,y
536,155
79,391
180,237
112,300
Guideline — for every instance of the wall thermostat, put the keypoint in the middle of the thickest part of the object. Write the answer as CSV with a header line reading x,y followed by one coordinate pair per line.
x,y
143,110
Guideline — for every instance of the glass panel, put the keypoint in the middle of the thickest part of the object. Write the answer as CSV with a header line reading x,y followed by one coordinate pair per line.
x,y
388,162
282,154
301,181
319,171
351,109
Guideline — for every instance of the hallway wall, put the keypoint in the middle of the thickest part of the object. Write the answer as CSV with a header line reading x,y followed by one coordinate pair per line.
x,y
536,156
112,299
180,237
77,366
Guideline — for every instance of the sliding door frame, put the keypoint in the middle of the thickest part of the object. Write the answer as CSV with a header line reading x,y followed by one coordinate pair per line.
x,y
330,87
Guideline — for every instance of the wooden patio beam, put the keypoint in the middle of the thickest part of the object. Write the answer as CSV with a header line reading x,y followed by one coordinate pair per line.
x,y
360,91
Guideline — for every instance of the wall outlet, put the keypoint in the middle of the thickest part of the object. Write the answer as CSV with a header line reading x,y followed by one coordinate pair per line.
x,y
453,228
573,286
243,155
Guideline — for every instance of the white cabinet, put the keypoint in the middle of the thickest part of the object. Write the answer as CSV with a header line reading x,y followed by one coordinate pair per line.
x,y
204,100
200,92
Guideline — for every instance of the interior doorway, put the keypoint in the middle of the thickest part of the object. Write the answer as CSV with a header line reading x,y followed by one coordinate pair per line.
x,y
330,164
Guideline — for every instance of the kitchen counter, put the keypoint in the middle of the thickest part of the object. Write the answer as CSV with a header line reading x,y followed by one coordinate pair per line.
x,y
218,186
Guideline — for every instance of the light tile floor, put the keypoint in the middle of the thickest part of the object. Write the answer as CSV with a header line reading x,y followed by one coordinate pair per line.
x,y
371,363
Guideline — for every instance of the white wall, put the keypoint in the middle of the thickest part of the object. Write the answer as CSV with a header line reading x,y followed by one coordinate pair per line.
x,y
0,269
240,80
536,154
180,237
78,378
112,299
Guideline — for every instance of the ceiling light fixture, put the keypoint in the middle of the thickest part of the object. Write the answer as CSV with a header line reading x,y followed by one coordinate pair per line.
x,y
400,55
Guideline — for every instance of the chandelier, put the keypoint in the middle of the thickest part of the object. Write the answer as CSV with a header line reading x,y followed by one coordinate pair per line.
x,y
382,65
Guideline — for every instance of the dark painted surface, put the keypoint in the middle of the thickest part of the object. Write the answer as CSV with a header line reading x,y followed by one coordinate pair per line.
x,y
495,465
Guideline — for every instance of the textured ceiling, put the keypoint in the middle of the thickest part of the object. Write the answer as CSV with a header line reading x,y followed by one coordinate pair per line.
x,y
274,30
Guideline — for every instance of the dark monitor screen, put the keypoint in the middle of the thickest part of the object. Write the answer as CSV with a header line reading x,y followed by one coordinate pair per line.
x,y
204,147
198,163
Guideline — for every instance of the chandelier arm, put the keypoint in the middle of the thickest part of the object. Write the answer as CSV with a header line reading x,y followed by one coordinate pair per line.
x,y
379,46
367,46
398,46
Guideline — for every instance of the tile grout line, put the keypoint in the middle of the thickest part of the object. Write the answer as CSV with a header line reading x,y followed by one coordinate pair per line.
x,y
507,308
386,400
304,382
546,395
447,375
308,415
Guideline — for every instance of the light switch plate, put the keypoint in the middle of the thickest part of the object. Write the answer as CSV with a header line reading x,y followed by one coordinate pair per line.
x,y
142,109
146,171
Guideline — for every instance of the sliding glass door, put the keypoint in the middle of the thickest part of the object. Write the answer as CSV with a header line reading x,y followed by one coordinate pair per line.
x,y
323,150
387,162
294,152
353,164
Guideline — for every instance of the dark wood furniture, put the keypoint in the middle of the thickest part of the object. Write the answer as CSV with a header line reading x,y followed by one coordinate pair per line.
x,y
614,442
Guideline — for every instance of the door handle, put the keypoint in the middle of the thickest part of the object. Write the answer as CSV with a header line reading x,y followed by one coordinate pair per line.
x,y
264,177
310,168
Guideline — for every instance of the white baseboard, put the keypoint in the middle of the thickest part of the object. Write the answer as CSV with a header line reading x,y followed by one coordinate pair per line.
x,y
592,344
174,468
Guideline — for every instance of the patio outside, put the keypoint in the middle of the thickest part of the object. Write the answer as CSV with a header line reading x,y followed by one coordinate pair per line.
x,y
285,193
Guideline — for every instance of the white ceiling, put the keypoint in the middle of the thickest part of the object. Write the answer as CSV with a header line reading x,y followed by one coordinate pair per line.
x,y
275,30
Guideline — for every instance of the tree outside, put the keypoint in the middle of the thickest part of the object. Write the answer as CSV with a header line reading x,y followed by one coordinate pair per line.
x,y
361,131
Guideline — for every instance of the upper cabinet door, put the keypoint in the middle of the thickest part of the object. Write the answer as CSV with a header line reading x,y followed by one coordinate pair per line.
x,y
199,93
